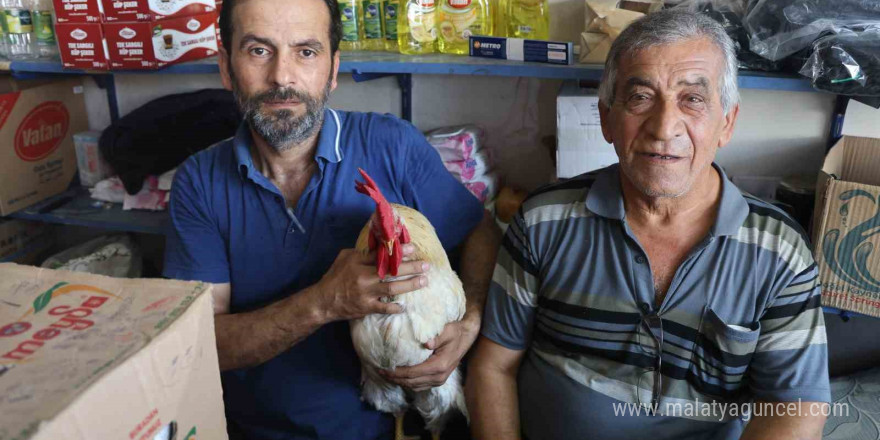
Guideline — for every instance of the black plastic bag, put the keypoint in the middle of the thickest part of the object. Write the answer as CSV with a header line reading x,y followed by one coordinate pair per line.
x,y
730,14
162,133
847,63
779,28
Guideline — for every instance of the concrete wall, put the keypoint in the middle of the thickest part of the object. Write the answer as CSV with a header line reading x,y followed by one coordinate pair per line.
x,y
778,133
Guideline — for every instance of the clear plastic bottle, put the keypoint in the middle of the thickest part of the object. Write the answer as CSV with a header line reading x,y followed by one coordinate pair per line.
x,y
43,16
374,31
416,28
352,25
390,8
459,19
19,29
4,48
528,19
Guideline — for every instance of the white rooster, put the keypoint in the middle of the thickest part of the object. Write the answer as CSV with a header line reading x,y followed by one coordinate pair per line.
x,y
390,341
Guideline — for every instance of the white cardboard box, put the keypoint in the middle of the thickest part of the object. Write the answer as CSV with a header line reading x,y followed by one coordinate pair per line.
x,y
580,145
88,357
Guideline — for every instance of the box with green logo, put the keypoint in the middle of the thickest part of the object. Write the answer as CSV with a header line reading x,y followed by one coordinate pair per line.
x,y
91,357
846,226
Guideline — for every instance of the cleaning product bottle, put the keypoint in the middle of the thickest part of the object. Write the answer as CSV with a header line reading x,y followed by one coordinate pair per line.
x,y
19,29
374,35
459,19
528,19
391,7
499,18
43,14
352,17
416,32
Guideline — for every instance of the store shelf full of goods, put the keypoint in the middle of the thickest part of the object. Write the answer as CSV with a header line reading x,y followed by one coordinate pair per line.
x,y
74,207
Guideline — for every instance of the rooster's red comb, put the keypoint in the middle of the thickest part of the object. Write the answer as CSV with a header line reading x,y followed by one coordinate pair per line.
x,y
369,188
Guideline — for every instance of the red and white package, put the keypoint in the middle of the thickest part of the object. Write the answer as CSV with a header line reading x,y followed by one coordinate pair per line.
x,y
150,10
78,11
82,46
152,45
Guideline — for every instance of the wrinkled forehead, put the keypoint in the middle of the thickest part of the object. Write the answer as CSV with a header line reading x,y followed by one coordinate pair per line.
x,y
689,63
282,19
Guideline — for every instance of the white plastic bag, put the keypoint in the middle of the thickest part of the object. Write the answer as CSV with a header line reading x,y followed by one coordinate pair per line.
x,y
111,255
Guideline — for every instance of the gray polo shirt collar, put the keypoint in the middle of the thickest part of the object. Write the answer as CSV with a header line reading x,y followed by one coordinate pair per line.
x,y
606,199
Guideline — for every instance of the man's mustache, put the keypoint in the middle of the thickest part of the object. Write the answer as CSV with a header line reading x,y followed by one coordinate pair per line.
x,y
282,94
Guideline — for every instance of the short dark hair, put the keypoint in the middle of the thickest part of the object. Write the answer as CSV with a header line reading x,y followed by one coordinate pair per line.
x,y
226,25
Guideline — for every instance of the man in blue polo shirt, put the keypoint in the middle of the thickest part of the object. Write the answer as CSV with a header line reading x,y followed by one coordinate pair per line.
x,y
269,216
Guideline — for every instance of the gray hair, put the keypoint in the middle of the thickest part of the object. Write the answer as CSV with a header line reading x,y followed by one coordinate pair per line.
x,y
667,27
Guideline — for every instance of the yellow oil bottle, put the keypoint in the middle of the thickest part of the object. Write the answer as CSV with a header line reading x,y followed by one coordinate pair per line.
x,y
528,19
352,16
391,7
374,32
499,18
458,20
416,31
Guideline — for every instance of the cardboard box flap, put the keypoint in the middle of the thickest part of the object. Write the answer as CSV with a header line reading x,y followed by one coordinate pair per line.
x,y
63,331
858,160
861,120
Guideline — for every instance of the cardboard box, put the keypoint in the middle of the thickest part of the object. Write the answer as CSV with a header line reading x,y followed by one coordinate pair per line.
x,y
518,49
151,45
82,46
78,11
24,242
37,122
90,357
846,226
846,218
151,10
580,145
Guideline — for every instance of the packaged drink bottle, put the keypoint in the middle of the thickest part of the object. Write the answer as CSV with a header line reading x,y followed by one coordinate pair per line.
x,y
390,8
43,16
352,25
458,20
416,32
19,29
374,32
528,19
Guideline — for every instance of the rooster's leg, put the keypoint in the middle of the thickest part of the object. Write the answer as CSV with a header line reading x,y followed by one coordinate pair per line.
x,y
398,427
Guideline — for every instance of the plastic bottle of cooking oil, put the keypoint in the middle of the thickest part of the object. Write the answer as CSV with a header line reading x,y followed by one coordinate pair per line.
x,y
352,14
459,19
499,18
528,19
390,8
416,32
374,32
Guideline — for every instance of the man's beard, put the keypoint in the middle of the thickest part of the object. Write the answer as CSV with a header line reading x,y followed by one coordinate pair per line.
x,y
281,129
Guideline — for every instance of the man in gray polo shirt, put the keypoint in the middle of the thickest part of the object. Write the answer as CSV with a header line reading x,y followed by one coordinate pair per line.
x,y
653,299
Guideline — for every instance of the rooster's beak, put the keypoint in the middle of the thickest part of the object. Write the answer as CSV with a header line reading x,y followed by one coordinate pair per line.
x,y
390,245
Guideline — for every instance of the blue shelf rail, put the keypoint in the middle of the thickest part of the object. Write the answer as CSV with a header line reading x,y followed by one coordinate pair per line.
x,y
75,207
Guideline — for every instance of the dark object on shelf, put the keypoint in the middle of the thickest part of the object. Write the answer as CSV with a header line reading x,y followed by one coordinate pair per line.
x,y
730,14
847,63
779,28
798,192
162,133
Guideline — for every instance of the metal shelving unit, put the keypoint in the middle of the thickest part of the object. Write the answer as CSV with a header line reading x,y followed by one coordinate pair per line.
x,y
75,207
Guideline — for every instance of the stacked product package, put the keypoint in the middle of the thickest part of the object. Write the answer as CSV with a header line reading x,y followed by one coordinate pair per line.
x,y
134,34
465,157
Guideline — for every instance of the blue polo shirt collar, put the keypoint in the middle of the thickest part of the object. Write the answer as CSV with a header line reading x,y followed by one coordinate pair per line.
x,y
606,199
328,144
